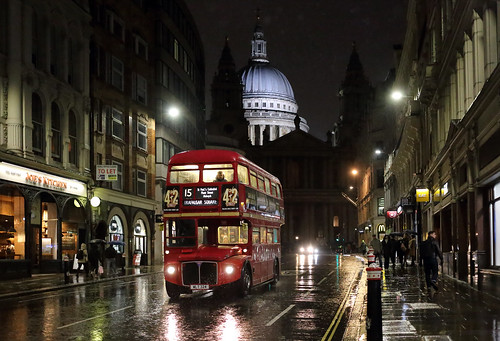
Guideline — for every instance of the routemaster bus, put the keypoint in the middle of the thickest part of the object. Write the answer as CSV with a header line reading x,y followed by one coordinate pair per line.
x,y
222,216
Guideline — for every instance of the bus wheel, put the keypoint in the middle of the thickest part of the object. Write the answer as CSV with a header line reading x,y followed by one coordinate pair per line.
x,y
276,272
245,282
172,290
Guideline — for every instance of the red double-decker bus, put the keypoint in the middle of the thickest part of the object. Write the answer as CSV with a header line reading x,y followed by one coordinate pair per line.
x,y
222,216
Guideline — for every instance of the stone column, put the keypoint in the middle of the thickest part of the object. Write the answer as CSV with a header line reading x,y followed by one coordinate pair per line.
x,y
490,24
478,48
14,70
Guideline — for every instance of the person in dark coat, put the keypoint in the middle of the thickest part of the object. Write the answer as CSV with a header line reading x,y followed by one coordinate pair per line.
x,y
387,251
429,252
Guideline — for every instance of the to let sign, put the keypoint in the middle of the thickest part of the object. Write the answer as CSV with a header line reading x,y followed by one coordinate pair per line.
x,y
107,173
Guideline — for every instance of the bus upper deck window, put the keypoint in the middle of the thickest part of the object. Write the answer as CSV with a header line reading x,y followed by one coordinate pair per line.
x,y
184,174
218,173
268,185
253,179
243,174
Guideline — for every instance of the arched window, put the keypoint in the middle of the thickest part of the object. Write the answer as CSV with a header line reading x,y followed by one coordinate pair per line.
x,y
73,142
140,236
56,132
37,134
115,234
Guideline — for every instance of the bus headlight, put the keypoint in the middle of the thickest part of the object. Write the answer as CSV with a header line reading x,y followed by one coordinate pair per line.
x,y
171,269
229,269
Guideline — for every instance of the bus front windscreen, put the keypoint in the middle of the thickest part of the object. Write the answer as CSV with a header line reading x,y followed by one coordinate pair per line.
x,y
180,232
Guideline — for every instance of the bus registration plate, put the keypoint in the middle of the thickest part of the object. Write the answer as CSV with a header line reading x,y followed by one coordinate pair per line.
x,y
198,286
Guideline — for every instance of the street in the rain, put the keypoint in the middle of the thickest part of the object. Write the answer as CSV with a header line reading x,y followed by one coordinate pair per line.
x,y
312,291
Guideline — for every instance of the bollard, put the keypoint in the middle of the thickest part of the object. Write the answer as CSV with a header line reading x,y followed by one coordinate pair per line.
x,y
66,268
374,304
371,258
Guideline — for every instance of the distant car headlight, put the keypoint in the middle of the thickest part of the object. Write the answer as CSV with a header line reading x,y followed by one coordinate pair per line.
x,y
171,270
302,249
229,269
310,249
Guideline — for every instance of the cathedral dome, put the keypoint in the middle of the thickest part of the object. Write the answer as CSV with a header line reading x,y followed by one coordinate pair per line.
x,y
264,81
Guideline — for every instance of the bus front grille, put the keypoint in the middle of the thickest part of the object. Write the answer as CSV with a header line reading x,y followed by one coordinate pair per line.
x,y
199,273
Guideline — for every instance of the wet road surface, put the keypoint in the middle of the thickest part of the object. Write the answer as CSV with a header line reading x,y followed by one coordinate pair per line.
x,y
310,299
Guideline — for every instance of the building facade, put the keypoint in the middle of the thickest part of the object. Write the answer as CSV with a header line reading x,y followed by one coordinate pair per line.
x,y
446,165
85,87
44,147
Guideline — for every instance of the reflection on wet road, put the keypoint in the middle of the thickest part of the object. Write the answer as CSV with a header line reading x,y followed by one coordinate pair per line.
x,y
311,294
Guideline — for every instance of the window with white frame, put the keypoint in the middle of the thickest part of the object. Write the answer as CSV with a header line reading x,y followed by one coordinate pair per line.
x,y
118,184
141,183
115,25
118,124
117,73
141,47
141,90
142,136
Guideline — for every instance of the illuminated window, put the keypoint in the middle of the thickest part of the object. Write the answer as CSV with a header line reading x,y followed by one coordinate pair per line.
x,y
232,234
218,173
184,174
253,179
255,236
243,174
263,235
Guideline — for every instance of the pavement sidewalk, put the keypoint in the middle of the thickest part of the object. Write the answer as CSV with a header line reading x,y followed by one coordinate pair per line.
x,y
48,282
411,312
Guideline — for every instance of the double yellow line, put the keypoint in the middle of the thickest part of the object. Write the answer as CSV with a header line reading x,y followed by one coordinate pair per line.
x,y
338,316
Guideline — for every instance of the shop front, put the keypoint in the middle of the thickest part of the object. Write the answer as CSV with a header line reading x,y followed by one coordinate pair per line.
x,y
130,228
43,217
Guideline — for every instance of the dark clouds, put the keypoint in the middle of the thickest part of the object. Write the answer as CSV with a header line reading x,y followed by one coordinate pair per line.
x,y
310,41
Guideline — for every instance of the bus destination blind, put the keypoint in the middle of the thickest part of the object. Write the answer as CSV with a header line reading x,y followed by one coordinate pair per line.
x,y
200,196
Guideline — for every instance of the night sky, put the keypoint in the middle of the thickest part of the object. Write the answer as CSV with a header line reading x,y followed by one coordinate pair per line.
x,y
309,41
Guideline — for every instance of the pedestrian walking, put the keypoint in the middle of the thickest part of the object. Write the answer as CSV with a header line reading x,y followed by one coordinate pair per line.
x,y
363,247
387,251
429,252
377,248
412,245
110,260
394,248
83,258
403,250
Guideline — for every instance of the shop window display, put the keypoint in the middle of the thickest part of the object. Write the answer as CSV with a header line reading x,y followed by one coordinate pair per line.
x,y
12,223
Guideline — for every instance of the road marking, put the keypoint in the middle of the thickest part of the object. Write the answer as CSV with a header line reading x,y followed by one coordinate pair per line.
x,y
338,316
93,318
270,323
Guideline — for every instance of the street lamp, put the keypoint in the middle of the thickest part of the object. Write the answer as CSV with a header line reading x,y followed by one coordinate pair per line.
x,y
397,95
354,172
173,112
